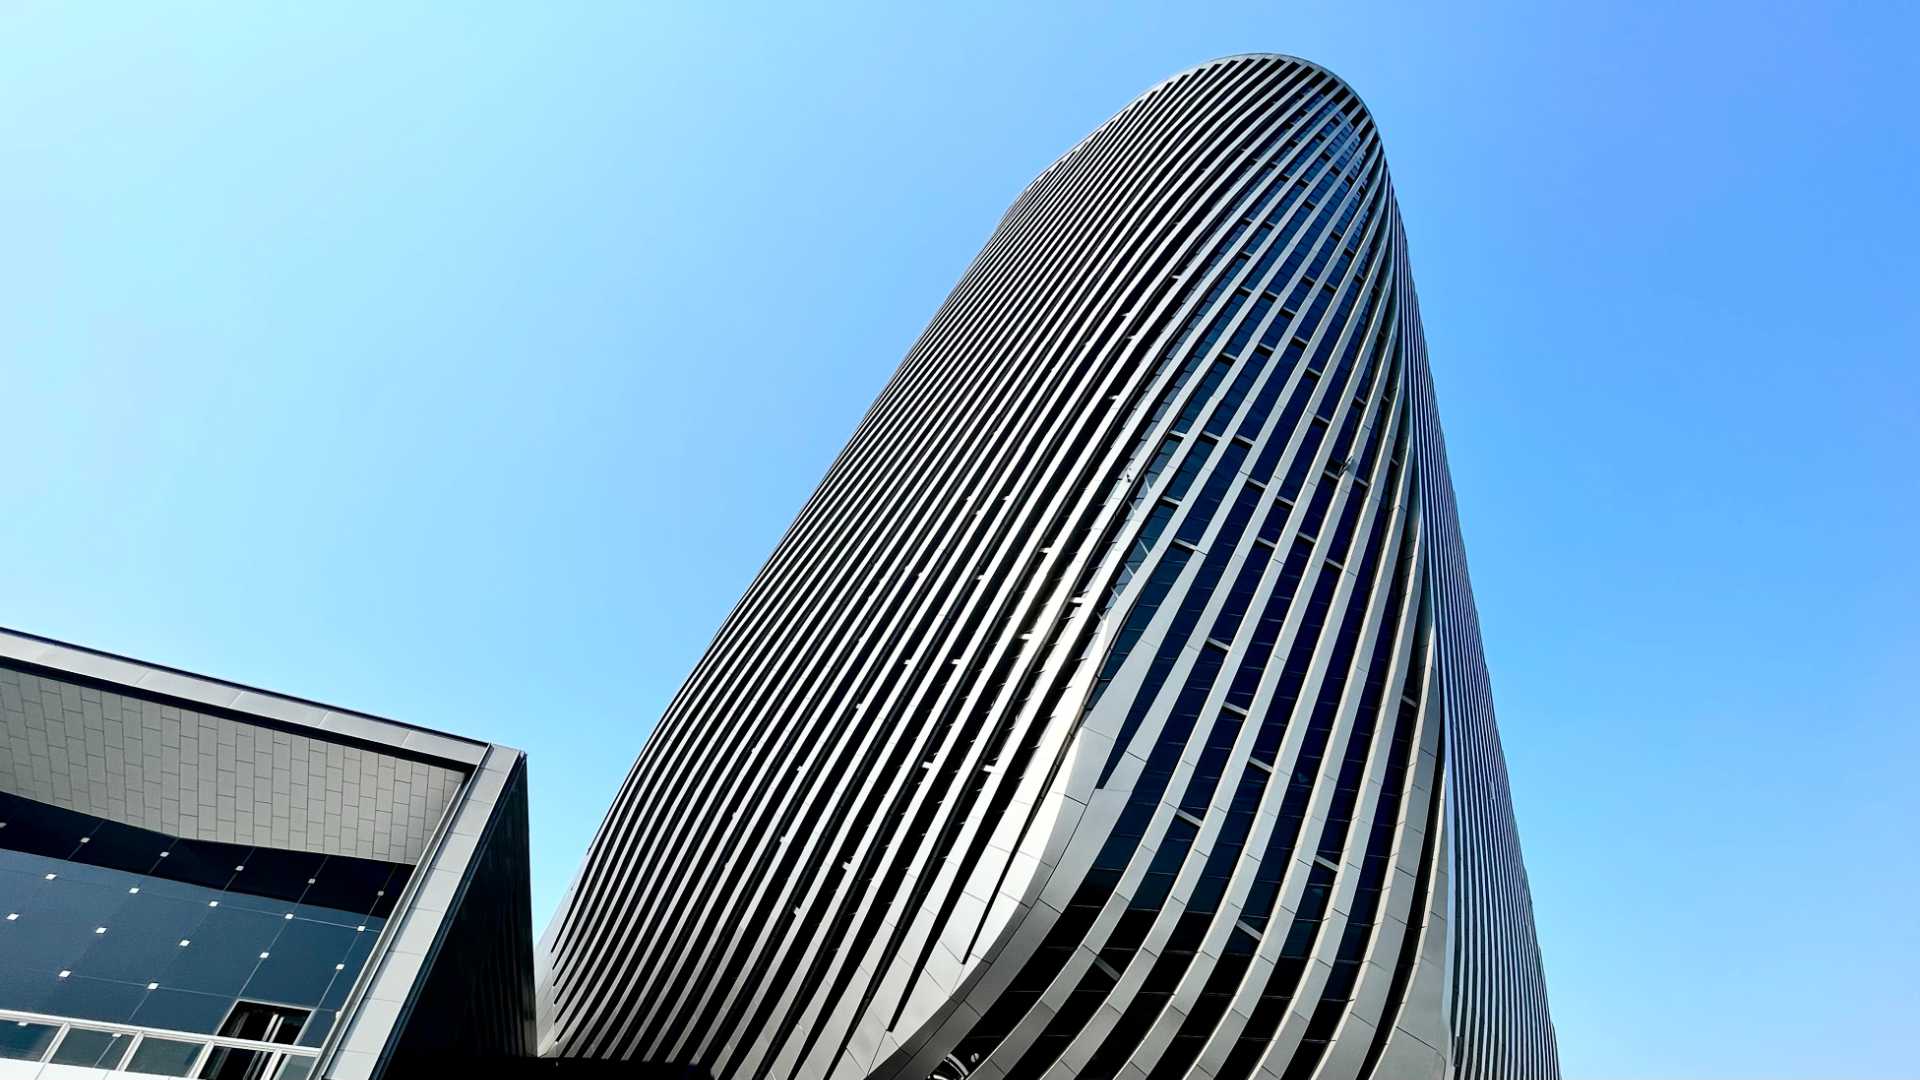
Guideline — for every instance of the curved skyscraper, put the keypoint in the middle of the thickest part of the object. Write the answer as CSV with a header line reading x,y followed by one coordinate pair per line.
x,y
1116,705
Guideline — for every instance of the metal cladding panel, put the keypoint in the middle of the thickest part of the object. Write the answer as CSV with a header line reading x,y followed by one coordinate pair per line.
x,y
140,761
1115,706
475,992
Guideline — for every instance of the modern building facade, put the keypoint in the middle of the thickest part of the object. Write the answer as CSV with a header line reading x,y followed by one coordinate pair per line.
x,y
1116,705
201,879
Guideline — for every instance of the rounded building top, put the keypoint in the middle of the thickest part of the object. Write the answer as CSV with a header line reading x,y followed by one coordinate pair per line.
x,y
1272,57
1282,57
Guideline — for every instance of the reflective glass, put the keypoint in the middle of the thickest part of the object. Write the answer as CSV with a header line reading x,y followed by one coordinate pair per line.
x,y
301,965
165,1057
91,1047
264,1023
356,958
250,888
111,844
281,875
113,913
23,1041
143,937
87,998
38,829
234,1063
314,1031
225,955
21,988
201,863
181,1010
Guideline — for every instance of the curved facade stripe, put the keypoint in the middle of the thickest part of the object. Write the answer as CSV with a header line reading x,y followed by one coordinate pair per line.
x,y
1116,705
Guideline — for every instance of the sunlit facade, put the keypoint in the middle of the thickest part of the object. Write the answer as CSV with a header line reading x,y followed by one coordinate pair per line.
x,y
1116,705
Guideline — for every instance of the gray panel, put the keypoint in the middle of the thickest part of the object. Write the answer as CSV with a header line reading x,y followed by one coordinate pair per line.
x,y
191,774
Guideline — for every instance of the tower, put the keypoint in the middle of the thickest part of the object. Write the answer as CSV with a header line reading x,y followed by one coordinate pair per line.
x,y
1116,704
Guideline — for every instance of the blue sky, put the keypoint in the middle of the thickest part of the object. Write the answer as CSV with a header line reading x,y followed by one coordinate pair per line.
x,y
462,364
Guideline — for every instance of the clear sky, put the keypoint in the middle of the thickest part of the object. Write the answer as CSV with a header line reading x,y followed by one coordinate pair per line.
x,y
462,364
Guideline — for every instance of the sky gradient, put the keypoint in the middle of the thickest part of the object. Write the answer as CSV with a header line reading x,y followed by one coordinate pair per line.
x,y
462,365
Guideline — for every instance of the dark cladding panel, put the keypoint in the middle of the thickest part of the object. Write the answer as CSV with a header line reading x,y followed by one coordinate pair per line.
x,y
476,996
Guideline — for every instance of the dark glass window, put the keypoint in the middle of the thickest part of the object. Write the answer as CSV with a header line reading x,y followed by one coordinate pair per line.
x,y
1200,514
1151,596
1237,392
139,928
1213,761
1189,468
302,963
92,1048
165,1057
1154,468
1303,459
181,1010
1202,394
1238,342
1316,516
261,1022
24,1041
1143,544
1241,594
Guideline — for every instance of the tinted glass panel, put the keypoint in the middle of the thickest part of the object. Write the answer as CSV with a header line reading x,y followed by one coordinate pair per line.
x,y
235,1063
23,1041
301,966
165,1057
93,999
167,933
181,1010
87,1046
